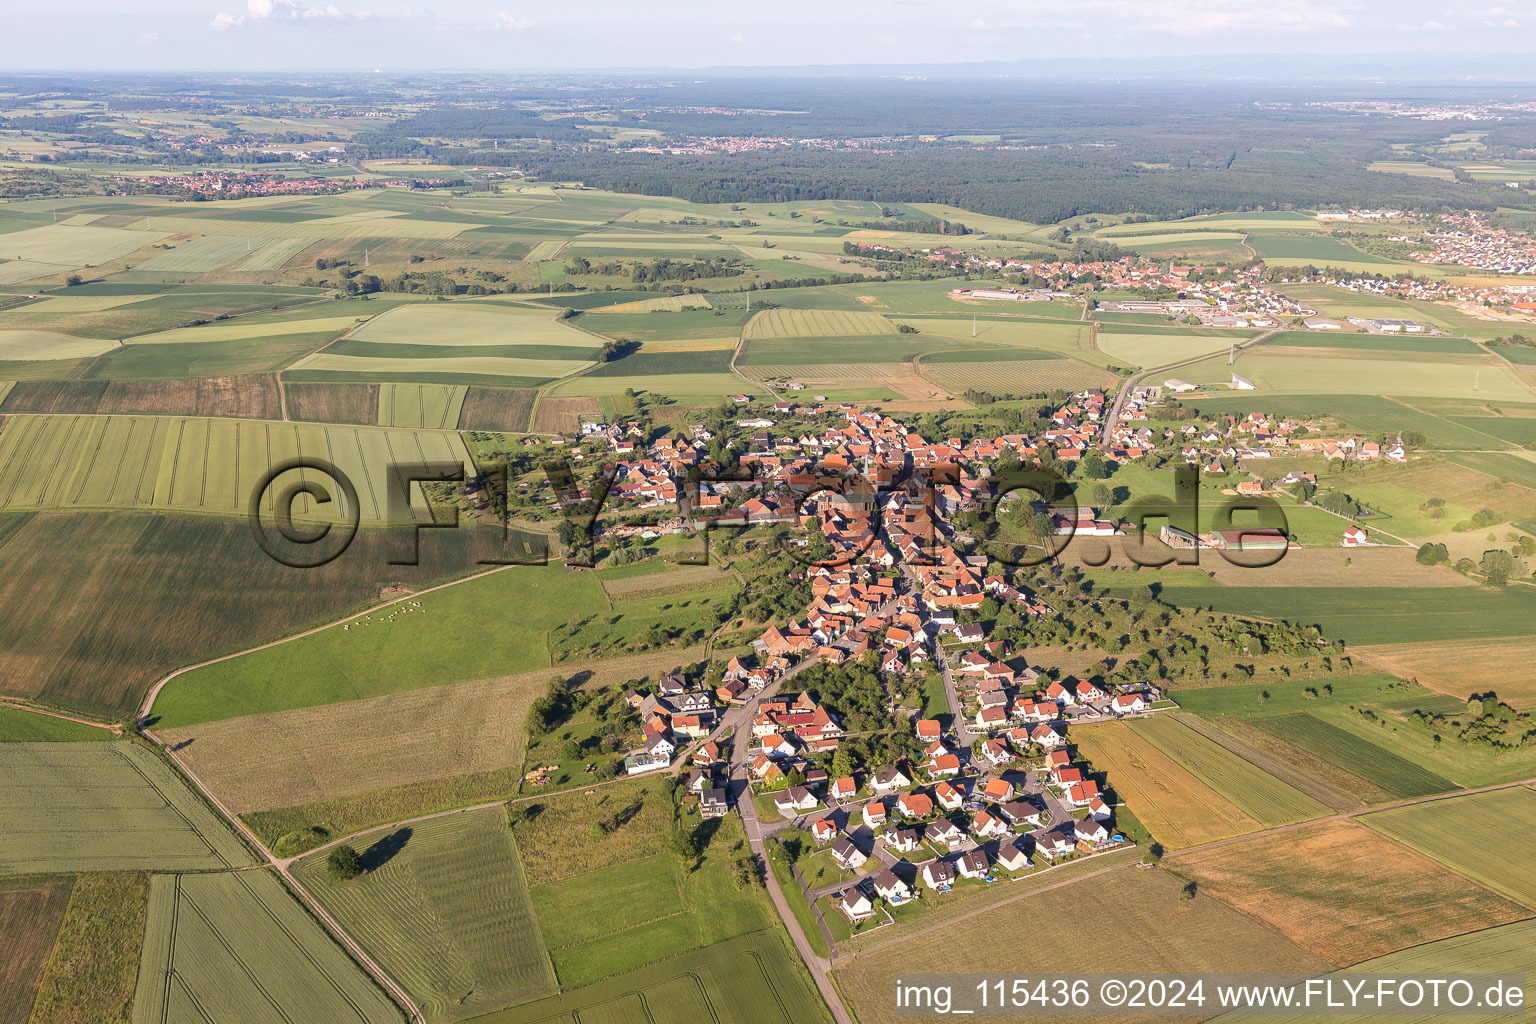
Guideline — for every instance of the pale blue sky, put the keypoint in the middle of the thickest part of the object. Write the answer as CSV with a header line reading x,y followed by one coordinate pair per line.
x,y
509,35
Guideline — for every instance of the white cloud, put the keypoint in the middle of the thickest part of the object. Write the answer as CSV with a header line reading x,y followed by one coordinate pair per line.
x,y
281,10
504,22
978,24
1427,26
149,37
738,38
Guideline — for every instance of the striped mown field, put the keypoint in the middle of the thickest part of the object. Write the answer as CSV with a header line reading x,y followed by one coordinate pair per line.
x,y
443,906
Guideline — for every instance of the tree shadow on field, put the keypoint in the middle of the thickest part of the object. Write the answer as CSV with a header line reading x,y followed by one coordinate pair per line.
x,y
383,851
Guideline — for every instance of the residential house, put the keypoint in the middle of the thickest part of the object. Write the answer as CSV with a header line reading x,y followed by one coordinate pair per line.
x,y
1022,813
939,875
945,833
874,813
889,887
1013,856
988,825
1128,704
915,805
889,780
848,856
855,905
795,800
999,791
713,804
973,864
1090,831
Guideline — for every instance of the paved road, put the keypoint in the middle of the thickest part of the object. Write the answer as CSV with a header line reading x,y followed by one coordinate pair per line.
x,y
1131,383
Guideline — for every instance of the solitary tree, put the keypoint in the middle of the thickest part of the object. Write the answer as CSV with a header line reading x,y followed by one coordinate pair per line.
x,y
343,864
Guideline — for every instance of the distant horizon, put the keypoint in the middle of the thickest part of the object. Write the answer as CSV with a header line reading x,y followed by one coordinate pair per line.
x,y
688,36
1405,69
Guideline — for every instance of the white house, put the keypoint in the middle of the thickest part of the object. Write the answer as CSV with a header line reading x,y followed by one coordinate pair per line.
x,y
856,906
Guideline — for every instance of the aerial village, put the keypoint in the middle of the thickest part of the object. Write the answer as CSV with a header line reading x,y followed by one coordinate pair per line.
x,y
995,792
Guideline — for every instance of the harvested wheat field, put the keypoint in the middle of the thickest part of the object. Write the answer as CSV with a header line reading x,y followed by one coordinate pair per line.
x,y
1463,667
562,415
287,758
1177,808
1147,927
1344,891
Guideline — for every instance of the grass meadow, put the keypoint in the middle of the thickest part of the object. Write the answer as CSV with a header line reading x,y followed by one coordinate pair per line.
x,y
457,634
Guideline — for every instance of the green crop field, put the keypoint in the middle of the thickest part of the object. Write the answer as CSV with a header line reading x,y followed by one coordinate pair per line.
x,y
237,947
1375,615
443,907
1374,414
815,323
1322,375
1474,834
202,254
1265,798
689,388
462,340
31,346
434,406
104,807
75,246
21,726
472,324
205,465
94,964
1129,348
1019,377
1409,343
1396,775
654,909
273,253
1317,249
457,634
